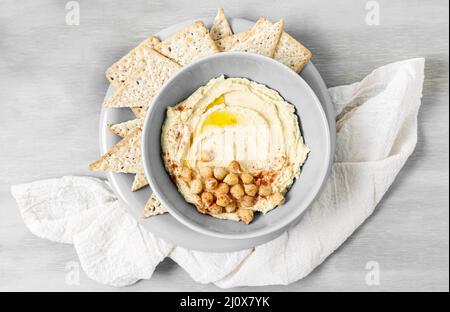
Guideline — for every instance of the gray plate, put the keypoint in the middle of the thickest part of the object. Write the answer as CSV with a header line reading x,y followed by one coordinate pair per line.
x,y
165,226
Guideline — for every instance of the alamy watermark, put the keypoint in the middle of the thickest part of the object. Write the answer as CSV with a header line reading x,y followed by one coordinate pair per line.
x,y
72,277
247,143
373,273
373,13
73,13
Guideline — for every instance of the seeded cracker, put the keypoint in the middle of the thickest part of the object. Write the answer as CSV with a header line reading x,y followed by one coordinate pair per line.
x,y
118,72
140,180
144,82
289,51
189,44
153,207
124,128
261,39
125,156
227,43
139,112
292,53
220,28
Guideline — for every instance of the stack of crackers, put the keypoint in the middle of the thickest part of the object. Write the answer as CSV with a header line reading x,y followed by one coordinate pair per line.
x,y
139,75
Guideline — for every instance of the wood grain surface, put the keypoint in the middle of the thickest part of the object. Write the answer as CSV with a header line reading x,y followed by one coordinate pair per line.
x,y
52,84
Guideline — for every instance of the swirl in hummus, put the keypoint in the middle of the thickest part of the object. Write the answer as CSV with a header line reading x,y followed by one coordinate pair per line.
x,y
235,127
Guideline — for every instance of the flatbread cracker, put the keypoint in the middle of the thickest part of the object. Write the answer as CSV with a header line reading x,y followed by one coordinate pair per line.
x,y
124,128
139,112
289,51
292,53
118,72
140,180
189,44
228,43
144,82
125,156
261,39
220,28
153,207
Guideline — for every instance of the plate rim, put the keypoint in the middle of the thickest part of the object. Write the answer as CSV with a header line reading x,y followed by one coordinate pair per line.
x,y
214,244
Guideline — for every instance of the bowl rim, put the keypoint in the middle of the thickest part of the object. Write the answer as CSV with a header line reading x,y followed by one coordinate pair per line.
x,y
324,172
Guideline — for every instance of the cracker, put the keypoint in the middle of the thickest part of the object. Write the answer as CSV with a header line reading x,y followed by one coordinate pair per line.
x,y
227,43
261,39
118,72
144,81
124,128
139,112
220,28
288,51
230,42
292,53
125,156
140,180
189,44
153,207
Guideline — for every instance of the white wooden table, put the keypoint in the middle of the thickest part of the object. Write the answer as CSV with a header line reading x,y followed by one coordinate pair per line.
x,y
52,85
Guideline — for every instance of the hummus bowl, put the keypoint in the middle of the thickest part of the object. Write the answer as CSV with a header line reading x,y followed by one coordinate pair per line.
x,y
264,71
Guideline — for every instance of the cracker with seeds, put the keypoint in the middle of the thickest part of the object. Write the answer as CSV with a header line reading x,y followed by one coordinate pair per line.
x,y
261,39
118,73
125,156
140,180
153,207
144,81
289,51
292,53
220,28
228,43
139,112
124,128
189,44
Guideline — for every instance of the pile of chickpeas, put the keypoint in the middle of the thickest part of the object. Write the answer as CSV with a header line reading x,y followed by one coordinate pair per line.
x,y
219,189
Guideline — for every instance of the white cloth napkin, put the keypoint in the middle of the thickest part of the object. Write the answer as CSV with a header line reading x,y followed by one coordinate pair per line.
x,y
377,131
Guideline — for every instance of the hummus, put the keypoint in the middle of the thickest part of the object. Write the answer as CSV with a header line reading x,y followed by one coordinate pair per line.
x,y
235,119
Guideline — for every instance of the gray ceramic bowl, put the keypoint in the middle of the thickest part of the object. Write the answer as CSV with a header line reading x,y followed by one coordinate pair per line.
x,y
292,88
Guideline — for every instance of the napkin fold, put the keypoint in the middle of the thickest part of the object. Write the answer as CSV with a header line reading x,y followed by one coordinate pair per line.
x,y
376,133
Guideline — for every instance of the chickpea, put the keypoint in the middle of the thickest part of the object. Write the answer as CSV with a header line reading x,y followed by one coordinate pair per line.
x,y
237,191
247,201
215,209
206,172
246,178
250,189
234,166
223,188
223,200
186,174
207,198
211,184
231,207
196,186
201,209
246,215
231,179
220,173
265,190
